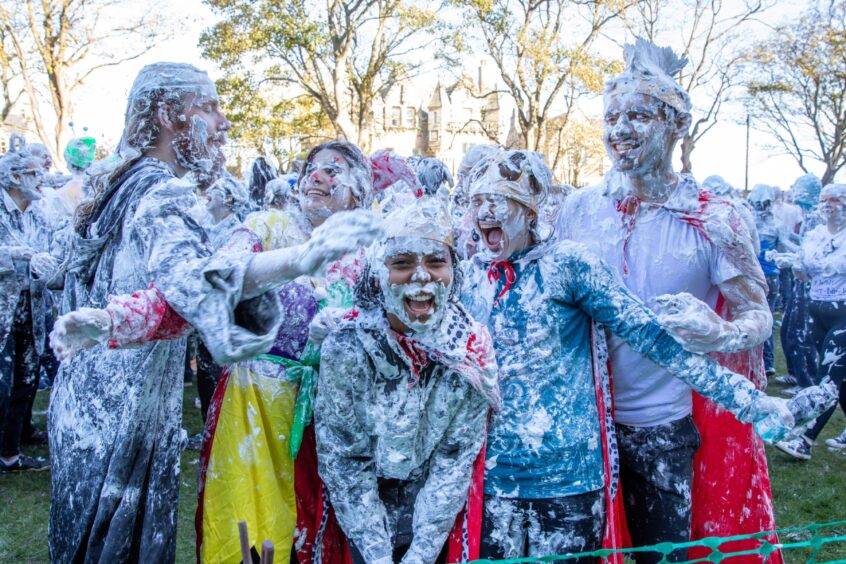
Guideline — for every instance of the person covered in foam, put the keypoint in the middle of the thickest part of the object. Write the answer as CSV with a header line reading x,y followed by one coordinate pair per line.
x,y
406,384
114,418
821,261
551,464
26,239
662,234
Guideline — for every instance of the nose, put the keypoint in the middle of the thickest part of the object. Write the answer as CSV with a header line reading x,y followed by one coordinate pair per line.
x,y
421,275
223,123
622,128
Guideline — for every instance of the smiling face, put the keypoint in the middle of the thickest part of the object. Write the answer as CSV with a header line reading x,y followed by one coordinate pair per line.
x,y
326,186
200,131
638,135
503,224
416,283
832,210
26,182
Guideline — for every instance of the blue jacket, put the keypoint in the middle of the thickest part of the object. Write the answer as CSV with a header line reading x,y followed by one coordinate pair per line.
x,y
545,442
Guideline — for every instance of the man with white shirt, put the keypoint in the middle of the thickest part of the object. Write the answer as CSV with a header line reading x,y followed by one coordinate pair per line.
x,y
663,234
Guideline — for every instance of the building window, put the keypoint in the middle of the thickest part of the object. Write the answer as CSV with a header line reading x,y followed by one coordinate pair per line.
x,y
396,116
410,117
434,135
436,118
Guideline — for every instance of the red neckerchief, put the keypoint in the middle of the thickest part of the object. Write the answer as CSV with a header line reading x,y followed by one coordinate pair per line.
x,y
629,207
417,357
494,275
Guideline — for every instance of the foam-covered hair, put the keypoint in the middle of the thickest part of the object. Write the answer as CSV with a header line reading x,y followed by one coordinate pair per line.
x,y
522,176
762,193
806,190
390,168
432,174
836,190
717,184
13,163
158,85
650,70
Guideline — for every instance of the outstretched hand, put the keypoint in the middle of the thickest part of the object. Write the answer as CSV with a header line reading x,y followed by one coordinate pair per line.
x,y
79,330
341,233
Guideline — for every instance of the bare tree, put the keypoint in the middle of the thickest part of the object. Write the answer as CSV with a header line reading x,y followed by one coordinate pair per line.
x,y
797,86
58,44
9,91
543,51
339,53
711,33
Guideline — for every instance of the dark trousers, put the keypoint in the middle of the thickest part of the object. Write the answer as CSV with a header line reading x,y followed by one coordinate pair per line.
x,y
656,471
520,528
797,341
769,344
19,375
208,373
829,332
398,497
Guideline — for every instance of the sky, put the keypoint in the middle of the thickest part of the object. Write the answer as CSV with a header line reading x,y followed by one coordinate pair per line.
x,y
100,104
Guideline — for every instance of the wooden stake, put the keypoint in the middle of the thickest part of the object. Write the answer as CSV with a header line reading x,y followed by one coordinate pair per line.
x,y
246,557
267,552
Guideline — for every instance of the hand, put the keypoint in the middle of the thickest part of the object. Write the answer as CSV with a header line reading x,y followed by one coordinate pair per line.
x,y
693,324
79,330
341,233
42,265
324,323
809,403
772,418
784,260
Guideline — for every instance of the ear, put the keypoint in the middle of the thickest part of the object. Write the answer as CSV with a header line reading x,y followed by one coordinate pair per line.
x,y
165,119
682,125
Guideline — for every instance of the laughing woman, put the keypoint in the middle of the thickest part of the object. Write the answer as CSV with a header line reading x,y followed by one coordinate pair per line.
x,y
405,388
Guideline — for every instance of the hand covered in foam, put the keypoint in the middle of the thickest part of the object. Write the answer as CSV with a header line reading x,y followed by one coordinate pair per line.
x,y
324,323
79,330
341,233
42,265
778,419
784,260
695,326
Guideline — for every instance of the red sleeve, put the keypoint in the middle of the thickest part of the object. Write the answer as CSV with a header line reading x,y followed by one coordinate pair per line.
x,y
142,317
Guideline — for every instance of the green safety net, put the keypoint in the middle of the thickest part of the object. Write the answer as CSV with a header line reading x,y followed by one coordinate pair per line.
x,y
821,534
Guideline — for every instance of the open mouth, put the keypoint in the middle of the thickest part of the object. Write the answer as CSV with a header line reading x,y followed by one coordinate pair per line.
x,y
420,305
492,235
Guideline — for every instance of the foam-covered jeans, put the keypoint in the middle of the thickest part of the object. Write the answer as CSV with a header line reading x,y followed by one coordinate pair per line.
x,y
19,375
519,528
656,472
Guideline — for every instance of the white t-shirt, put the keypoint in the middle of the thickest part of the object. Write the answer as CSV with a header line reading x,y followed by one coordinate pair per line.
x,y
664,256
824,259
788,216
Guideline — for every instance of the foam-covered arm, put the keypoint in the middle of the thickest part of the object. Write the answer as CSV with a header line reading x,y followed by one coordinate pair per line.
x,y
340,234
699,329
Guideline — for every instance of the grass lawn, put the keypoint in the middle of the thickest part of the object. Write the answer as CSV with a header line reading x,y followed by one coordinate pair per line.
x,y
804,492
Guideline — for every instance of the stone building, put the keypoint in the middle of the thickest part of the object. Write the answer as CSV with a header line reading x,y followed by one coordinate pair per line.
x,y
442,121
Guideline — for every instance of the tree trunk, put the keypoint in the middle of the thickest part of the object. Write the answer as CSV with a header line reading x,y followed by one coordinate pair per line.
x,y
687,146
828,176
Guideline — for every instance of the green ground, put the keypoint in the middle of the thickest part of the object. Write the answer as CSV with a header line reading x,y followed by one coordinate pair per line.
x,y
804,492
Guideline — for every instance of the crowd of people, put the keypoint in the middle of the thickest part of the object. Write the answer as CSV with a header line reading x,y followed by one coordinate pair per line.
x,y
395,365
